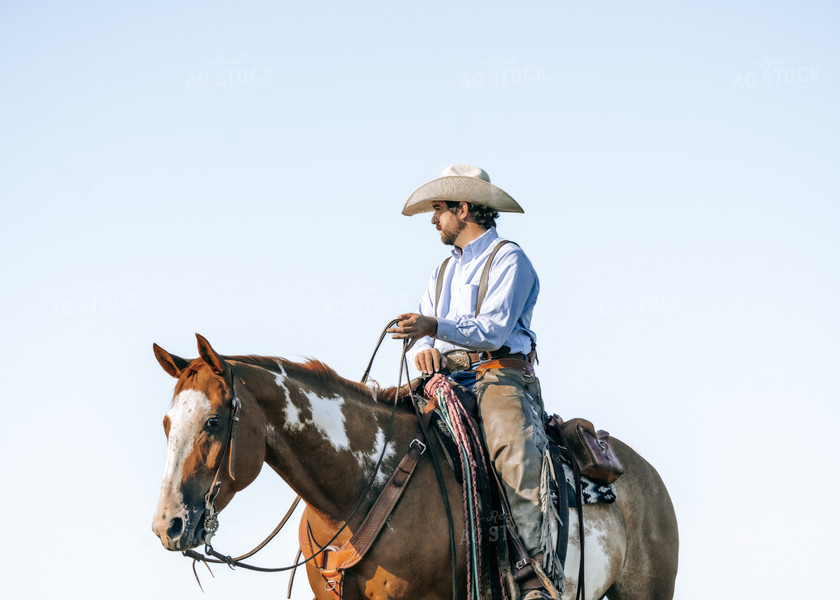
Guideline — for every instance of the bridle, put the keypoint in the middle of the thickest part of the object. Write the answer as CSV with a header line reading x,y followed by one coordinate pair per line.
x,y
211,522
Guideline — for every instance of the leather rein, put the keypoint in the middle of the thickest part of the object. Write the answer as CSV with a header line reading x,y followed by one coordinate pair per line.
x,y
211,522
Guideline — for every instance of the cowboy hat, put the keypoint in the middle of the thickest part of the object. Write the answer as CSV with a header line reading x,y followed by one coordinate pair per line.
x,y
460,183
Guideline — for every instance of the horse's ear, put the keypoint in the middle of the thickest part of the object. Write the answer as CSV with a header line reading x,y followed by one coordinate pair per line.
x,y
210,356
174,365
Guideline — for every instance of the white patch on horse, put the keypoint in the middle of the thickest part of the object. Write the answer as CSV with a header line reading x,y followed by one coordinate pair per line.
x,y
328,418
327,414
280,380
291,413
598,569
271,435
189,410
372,458
291,416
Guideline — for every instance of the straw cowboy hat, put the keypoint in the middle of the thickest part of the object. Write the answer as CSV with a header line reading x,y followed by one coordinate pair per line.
x,y
460,183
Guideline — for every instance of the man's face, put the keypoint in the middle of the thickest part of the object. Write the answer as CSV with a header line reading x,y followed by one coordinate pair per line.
x,y
447,222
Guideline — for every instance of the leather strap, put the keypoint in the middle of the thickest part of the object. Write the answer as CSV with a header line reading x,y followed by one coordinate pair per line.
x,y
503,352
464,358
506,363
581,588
335,561
439,289
485,275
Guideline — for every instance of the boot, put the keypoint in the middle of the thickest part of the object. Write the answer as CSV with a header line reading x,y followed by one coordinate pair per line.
x,y
537,585
533,589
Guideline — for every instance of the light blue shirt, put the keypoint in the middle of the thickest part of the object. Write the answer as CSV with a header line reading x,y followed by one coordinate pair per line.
x,y
505,317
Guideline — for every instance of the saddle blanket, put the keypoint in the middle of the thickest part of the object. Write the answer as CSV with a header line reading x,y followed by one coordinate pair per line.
x,y
592,492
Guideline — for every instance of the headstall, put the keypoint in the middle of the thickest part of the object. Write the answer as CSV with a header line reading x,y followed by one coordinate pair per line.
x,y
211,519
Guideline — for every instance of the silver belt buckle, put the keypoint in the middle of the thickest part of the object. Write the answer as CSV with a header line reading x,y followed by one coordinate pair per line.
x,y
458,360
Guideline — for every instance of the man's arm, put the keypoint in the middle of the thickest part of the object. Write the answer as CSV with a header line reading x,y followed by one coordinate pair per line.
x,y
414,327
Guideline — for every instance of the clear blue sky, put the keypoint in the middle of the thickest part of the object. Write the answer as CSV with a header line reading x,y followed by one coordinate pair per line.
x,y
238,170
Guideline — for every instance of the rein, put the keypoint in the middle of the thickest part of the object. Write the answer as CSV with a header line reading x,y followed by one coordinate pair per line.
x,y
211,523
435,459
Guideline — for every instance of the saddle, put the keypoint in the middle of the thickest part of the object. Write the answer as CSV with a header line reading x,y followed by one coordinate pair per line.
x,y
583,470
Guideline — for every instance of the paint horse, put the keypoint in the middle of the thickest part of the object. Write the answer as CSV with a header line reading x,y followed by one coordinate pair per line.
x,y
324,436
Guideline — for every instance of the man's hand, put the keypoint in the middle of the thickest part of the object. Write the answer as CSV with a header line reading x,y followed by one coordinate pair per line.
x,y
413,327
429,361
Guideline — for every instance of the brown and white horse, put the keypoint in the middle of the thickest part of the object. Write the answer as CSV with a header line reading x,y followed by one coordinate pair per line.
x,y
324,435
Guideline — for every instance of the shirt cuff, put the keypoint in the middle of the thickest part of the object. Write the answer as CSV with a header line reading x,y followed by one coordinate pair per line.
x,y
447,331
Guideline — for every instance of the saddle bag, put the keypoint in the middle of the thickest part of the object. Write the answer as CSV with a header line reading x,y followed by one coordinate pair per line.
x,y
592,450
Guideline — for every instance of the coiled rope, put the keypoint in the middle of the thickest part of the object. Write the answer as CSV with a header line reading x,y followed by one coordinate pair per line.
x,y
460,427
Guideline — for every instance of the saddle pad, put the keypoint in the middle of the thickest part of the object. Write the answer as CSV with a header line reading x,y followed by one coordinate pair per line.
x,y
591,492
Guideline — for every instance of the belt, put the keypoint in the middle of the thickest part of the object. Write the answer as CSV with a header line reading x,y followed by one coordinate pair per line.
x,y
507,363
479,356
503,352
462,360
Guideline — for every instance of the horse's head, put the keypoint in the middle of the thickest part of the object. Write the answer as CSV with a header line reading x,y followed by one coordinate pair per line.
x,y
202,432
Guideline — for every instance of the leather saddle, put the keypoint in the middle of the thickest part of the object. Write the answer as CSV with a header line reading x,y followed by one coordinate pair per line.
x,y
585,452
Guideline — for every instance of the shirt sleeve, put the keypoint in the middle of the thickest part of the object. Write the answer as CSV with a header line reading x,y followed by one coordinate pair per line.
x,y
511,283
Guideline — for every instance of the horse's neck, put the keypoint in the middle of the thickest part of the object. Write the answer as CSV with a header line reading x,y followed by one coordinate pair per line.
x,y
325,437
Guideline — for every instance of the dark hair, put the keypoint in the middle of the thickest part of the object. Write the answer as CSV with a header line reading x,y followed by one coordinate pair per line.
x,y
485,217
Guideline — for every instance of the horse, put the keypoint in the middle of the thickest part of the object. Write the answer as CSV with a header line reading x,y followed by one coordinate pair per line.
x,y
326,436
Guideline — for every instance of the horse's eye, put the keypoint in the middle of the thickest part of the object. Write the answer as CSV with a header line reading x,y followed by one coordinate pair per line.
x,y
212,423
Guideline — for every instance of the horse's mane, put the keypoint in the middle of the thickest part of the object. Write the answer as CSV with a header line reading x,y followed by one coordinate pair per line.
x,y
313,371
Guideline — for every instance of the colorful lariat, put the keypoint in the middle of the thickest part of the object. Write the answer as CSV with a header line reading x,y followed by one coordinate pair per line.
x,y
457,421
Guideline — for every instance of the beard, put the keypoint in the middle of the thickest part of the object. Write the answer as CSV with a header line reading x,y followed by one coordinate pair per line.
x,y
450,232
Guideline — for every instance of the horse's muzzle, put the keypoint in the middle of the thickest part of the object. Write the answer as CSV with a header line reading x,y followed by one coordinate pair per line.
x,y
180,532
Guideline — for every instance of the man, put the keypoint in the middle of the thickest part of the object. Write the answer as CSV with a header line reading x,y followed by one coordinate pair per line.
x,y
483,335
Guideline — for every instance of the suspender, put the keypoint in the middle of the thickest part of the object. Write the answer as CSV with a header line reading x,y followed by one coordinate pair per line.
x,y
439,289
482,284
485,276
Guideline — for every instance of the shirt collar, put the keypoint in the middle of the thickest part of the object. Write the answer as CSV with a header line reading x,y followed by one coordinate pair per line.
x,y
477,246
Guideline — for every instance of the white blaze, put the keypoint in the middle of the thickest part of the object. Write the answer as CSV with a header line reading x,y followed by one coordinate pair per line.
x,y
189,410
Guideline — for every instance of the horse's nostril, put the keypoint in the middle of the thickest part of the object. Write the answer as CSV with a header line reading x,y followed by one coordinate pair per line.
x,y
175,528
